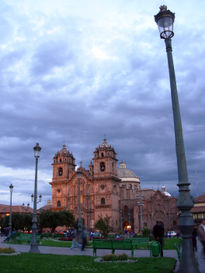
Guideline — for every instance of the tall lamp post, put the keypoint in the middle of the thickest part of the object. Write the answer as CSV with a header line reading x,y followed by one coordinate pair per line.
x,y
140,204
34,244
165,20
10,214
79,174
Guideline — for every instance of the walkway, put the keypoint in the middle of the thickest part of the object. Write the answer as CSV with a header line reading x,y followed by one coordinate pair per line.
x,y
101,252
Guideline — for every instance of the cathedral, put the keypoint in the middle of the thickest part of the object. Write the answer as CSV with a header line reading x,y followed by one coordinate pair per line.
x,y
106,190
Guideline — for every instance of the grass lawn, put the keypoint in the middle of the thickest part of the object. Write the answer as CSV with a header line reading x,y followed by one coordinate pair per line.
x,y
169,242
44,263
55,243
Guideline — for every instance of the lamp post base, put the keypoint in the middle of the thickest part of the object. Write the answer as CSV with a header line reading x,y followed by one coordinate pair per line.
x,y
34,248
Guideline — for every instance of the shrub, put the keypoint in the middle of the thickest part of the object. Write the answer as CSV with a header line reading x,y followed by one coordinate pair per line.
x,y
146,232
112,257
7,250
123,257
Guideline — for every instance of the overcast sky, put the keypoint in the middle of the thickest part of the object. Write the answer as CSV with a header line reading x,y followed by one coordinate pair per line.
x,y
73,72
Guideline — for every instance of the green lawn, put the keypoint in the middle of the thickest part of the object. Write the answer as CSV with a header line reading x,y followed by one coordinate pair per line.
x,y
168,243
43,263
55,243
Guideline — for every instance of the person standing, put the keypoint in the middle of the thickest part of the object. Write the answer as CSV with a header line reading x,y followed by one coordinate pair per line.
x,y
201,233
158,232
84,239
194,235
75,242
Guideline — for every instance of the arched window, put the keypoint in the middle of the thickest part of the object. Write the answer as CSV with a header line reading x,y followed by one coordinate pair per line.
x,y
102,201
102,166
125,210
60,171
102,154
59,204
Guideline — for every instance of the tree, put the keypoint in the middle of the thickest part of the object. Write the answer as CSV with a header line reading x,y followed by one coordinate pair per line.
x,y
28,221
52,219
20,221
103,225
49,219
4,222
67,218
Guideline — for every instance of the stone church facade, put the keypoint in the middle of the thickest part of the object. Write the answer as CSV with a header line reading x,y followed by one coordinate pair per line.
x,y
105,190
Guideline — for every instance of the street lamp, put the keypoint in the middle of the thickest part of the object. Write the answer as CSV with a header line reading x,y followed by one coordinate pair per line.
x,y
10,215
165,20
79,174
34,244
88,208
140,204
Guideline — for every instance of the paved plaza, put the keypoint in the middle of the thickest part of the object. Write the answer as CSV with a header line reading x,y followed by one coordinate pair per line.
x,y
101,252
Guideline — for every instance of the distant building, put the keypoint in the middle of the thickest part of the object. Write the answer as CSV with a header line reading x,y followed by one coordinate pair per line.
x,y
198,211
5,210
48,206
161,206
106,190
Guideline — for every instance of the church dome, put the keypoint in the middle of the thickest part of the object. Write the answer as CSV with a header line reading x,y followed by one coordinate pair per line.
x,y
126,174
64,153
104,150
165,192
105,146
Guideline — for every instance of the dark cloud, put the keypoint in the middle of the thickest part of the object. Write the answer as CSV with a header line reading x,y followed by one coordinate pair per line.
x,y
73,78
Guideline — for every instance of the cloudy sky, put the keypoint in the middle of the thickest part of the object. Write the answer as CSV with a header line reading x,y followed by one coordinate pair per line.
x,y
73,72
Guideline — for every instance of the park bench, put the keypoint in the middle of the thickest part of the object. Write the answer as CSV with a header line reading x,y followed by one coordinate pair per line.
x,y
101,244
177,247
25,238
113,245
140,242
123,245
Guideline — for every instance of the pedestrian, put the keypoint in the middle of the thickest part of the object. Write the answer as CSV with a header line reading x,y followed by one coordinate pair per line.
x,y
194,235
158,232
75,242
84,239
201,233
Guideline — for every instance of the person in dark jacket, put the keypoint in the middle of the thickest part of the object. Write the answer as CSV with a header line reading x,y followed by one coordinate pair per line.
x,y
158,232
84,238
201,233
194,235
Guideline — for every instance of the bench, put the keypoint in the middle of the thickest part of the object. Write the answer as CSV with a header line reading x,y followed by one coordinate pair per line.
x,y
113,245
123,245
21,238
141,242
177,247
101,244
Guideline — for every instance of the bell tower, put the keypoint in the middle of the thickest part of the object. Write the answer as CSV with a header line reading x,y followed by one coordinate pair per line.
x,y
105,161
63,165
